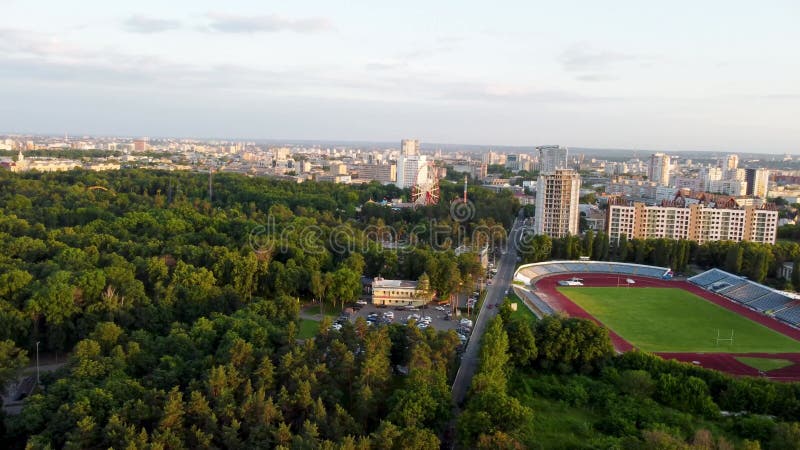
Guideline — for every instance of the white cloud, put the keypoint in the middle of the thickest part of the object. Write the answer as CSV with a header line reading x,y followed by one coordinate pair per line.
x,y
143,24
583,57
272,23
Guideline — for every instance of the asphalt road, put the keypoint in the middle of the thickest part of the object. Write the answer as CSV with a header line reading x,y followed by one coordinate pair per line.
x,y
494,294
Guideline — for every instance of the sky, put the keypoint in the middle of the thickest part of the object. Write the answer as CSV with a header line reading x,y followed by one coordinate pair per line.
x,y
678,75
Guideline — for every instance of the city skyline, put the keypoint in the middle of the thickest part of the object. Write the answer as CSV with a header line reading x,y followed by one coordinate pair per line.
x,y
678,77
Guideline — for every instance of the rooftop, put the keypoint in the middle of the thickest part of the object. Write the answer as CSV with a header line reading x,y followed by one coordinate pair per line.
x,y
383,283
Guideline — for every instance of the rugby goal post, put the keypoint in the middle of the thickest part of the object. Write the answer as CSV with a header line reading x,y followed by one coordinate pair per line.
x,y
721,338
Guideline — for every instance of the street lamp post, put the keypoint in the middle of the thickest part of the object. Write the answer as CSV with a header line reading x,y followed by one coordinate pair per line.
x,y
37,363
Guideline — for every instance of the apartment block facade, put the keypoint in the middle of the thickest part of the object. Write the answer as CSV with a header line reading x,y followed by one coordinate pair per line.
x,y
695,222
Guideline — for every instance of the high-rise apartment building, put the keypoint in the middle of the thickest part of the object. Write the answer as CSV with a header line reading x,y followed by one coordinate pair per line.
x,y
659,168
338,168
729,165
410,164
557,198
409,147
385,173
757,182
695,222
728,186
140,145
552,158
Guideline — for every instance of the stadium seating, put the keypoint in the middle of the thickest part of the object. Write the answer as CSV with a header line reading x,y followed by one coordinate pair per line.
x,y
726,283
709,277
769,302
791,315
530,272
746,292
574,267
655,272
568,267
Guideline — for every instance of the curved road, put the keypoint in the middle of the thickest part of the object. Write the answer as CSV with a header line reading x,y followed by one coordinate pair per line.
x,y
494,294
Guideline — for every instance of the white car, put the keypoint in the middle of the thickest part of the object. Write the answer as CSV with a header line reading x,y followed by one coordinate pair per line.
x,y
388,314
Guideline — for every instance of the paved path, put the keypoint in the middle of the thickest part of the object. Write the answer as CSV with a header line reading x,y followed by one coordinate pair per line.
x,y
494,295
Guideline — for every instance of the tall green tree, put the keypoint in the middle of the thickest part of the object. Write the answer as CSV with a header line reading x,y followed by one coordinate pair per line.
x,y
588,244
622,248
795,278
733,259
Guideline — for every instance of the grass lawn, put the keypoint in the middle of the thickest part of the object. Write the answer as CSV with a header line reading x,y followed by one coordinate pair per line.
x,y
308,329
764,364
522,311
329,310
673,320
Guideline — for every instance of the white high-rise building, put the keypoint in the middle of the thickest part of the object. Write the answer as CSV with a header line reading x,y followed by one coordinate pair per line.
x,y
659,168
409,147
552,158
557,197
708,175
729,166
728,186
757,182
410,164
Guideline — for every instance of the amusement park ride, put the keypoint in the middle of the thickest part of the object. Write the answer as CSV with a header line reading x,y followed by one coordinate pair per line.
x,y
425,191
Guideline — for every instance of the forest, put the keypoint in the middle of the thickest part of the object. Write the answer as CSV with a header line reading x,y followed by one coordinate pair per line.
x,y
179,314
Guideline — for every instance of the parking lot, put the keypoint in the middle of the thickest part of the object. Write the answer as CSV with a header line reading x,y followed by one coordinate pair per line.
x,y
437,317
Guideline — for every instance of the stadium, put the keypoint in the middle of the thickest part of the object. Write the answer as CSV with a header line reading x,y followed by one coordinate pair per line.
x,y
715,319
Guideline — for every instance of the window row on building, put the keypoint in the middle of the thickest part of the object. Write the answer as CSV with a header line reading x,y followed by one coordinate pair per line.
x,y
694,222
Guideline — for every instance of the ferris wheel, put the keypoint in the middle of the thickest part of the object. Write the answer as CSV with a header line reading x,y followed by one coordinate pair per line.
x,y
425,191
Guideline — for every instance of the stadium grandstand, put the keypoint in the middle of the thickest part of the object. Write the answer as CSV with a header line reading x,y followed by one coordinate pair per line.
x,y
528,273
783,306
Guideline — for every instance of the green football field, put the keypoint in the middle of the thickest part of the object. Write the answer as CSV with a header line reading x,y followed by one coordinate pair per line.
x,y
673,320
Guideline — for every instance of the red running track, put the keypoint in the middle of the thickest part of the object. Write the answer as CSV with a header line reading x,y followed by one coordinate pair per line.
x,y
725,362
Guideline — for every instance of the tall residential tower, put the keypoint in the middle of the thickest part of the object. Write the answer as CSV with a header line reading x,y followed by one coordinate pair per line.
x,y
552,158
659,168
410,163
557,197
